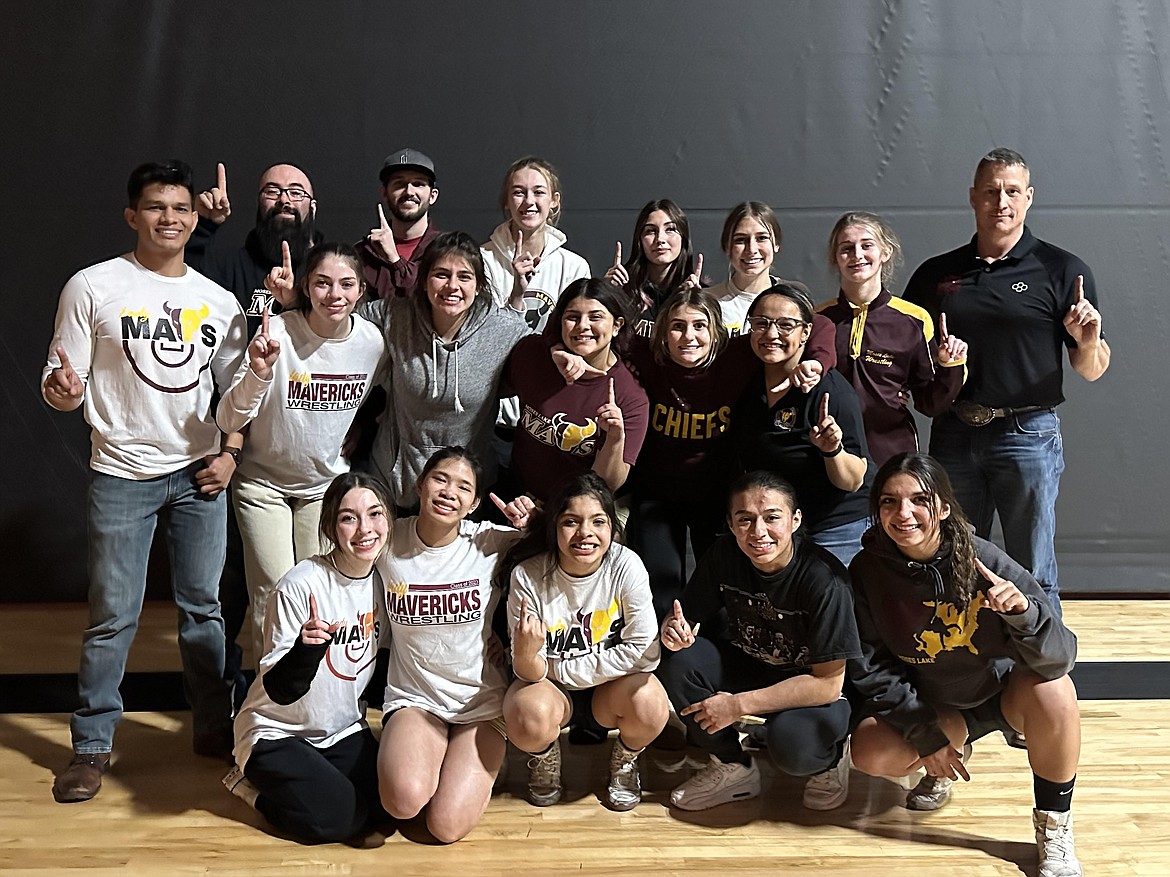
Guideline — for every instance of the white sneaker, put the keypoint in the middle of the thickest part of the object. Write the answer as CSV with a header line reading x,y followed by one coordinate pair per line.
x,y
716,784
1054,843
932,792
625,785
827,790
544,776
240,786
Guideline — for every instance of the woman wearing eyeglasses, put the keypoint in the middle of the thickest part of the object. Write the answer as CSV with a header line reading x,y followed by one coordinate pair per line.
x,y
814,438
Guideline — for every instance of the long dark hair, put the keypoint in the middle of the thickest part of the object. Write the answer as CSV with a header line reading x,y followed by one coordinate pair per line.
x,y
610,296
953,529
638,266
541,535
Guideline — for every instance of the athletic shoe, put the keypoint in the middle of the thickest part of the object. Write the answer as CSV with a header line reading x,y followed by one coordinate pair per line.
x,y
1054,843
827,790
544,776
240,786
716,784
625,785
933,792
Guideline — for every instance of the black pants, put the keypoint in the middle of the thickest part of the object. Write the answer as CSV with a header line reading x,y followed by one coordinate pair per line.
x,y
658,533
318,795
802,741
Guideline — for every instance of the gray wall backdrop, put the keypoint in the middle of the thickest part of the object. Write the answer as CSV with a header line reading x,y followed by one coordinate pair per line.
x,y
813,106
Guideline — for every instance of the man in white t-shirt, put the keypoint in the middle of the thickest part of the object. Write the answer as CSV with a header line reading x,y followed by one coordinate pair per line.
x,y
141,341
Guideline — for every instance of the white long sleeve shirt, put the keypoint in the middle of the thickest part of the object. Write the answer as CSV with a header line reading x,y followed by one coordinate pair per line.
x,y
597,627
299,419
150,351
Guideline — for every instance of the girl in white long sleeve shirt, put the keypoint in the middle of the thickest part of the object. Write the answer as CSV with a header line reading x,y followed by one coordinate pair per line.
x,y
306,373
584,639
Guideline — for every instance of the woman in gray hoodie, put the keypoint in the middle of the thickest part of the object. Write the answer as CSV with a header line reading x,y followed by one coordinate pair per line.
x,y
447,344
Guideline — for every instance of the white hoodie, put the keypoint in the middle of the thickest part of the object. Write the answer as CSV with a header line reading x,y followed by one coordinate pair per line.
x,y
557,269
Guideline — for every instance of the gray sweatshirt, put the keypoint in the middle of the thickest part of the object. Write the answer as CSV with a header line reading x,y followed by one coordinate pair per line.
x,y
439,393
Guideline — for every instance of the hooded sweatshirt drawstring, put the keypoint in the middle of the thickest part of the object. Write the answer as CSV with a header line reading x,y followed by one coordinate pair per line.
x,y
435,372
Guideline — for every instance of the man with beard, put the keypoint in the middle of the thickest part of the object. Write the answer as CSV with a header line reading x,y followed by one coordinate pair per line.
x,y
285,211
390,252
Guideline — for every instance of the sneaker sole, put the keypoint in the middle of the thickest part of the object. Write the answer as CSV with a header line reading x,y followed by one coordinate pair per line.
x,y
694,805
543,800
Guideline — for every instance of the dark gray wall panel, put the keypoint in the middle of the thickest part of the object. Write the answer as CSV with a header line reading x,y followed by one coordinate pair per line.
x,y
814,107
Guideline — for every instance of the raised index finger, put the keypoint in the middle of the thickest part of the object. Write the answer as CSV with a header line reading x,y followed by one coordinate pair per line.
x,y
519,242
612,397
825,408
61,355
286,257
264,320
678,613
382,218
988,574
942,326
699,266
221,179
1080,288
313,616
500,504
617,257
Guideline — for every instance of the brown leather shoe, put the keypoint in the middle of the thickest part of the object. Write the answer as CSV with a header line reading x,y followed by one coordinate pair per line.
x,y
82,779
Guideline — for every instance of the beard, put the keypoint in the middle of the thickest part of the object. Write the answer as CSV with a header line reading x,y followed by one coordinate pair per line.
x,y
408,211
275,227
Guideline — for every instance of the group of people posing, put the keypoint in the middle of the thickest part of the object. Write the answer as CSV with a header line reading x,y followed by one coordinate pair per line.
x,y
606,417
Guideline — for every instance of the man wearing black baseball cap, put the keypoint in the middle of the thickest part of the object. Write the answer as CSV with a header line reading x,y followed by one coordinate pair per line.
x,y
390,252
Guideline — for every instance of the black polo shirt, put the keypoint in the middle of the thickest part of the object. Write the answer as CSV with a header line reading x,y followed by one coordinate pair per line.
x,y
1011,313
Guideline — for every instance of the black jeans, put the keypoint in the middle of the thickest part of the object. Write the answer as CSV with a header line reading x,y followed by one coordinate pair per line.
x,y
658,533
802,741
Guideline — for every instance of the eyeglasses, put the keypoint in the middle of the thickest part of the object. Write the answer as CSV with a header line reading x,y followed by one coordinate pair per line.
x,y
784,328
273,192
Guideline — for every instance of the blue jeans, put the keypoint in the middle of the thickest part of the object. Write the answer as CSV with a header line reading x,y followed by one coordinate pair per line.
x,y
842,541
121,516
1011,466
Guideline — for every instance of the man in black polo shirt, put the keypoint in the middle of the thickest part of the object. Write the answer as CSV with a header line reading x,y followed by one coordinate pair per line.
x,y
1017,300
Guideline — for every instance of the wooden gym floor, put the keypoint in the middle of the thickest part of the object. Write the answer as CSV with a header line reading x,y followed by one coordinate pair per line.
x,y
163,810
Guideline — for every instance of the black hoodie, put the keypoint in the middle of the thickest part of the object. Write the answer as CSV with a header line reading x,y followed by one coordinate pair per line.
x,y
919,649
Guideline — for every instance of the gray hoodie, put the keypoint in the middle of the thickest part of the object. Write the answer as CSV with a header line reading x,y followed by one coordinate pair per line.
x,y
439,393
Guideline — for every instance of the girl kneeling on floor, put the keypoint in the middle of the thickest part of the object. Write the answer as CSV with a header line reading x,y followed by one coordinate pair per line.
x,y
306,757
443,735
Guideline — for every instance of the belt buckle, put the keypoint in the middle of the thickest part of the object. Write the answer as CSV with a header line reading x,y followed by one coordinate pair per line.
x,y
974,414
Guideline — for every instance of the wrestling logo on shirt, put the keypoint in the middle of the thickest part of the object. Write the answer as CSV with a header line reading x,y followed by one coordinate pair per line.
x,y
446,603
354,646
591,630
315,391
558,431
180,342
959,626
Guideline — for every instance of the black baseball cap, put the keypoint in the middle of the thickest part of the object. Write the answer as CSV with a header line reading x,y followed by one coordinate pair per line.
x,y
407,159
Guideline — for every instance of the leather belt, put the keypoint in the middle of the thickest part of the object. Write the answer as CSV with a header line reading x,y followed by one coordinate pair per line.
x,y
974,414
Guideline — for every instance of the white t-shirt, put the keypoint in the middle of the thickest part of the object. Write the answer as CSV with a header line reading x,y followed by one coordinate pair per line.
x,y
440,603
734,304
150,351
331,710
598,627
300,417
